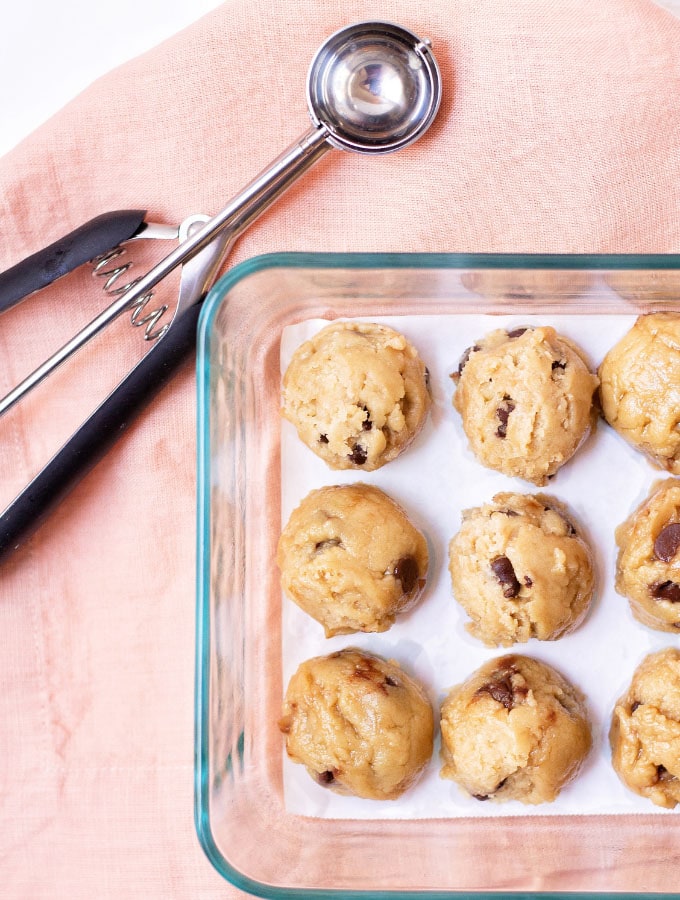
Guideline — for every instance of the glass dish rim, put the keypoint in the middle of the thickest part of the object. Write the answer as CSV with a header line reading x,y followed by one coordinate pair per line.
x,y
212,303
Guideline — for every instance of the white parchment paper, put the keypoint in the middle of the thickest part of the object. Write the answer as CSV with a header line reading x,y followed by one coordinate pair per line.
x,y
434,480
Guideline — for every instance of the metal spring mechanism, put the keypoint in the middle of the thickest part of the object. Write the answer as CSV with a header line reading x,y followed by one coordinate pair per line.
x,y
113,289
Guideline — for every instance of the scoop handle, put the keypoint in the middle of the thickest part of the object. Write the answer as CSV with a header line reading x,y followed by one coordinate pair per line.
x,y
81,453
80,246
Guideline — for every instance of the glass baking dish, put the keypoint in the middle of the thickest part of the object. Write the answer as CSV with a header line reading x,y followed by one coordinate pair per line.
x,y
241,820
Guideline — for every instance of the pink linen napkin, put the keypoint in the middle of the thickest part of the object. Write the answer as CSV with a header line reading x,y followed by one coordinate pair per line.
x,y
559,132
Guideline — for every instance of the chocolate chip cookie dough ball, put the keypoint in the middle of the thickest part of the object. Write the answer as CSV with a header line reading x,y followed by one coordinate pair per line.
x,y
357,394
358,723
520,570
515,730
640,388
525,398
648,564
351,559
645,730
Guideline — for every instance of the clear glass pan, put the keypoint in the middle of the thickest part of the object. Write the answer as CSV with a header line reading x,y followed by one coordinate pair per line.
x,y
240,817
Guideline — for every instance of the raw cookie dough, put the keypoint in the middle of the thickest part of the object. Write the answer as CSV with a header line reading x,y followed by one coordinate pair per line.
x,y
358,723
525,398
520,570
350,558
645,730
515,730
357,394
648,564
640,388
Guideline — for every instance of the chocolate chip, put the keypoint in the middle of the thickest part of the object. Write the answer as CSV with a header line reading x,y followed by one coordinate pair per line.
x,y
515,333
327,777
481,796
358,455
662,774
559,364
509,512
666,590
504,572
667,543
366,425
391,681
427,377
501,691
500,688
527,581
406,570
323,439
635,705
503,414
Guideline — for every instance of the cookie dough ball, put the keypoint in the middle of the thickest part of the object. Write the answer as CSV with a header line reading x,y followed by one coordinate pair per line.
x,y
351,559
358,723
640,388
648,564
520,570
515,730
357,394
645,730
525,398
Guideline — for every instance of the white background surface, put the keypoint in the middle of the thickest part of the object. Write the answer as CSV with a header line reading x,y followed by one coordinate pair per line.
x,y
50,51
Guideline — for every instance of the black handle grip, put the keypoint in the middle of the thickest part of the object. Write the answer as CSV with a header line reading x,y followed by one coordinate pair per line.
x,y
98,433
89,240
